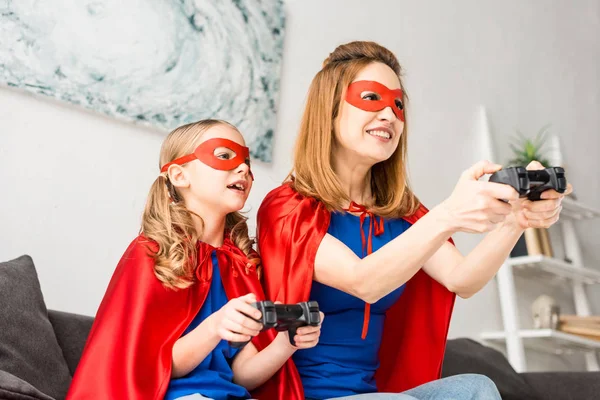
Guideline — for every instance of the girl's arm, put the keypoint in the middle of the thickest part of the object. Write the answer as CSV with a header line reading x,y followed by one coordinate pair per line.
x,y
190,350
230,323
252,368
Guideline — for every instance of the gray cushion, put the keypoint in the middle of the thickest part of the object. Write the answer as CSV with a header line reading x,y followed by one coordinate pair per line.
x,y
465,356
28,346
71,331
13,388
564,385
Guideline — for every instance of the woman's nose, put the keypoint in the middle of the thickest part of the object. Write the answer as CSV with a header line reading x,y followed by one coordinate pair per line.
x,y
387,114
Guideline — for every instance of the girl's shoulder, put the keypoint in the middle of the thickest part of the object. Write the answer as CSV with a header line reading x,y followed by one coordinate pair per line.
x,y
142,246
138,259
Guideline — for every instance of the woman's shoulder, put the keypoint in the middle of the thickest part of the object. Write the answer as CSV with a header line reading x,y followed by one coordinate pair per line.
x,y
285,190
285,200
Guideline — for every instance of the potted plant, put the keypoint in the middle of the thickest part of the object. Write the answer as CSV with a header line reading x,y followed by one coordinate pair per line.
x,y
525,150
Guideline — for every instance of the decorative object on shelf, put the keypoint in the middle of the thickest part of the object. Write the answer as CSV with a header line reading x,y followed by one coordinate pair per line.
x,y
545,312
537,242
588,327
155,63
534,241
527,149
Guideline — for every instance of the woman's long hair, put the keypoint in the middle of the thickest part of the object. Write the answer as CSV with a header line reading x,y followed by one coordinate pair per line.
x,y
313,174
168,222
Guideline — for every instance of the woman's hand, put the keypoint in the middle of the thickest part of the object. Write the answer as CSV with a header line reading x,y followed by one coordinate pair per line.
x,y
233,322
537,214
475,206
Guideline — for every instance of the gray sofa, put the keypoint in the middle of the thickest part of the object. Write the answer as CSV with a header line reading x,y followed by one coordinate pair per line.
x,y
40,349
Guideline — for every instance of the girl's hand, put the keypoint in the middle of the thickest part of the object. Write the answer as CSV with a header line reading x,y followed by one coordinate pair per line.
x,y
474,206
537,214
234,321
308,336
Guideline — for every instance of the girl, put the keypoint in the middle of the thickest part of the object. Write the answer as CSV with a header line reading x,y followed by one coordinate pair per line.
x,y
184,287
346,230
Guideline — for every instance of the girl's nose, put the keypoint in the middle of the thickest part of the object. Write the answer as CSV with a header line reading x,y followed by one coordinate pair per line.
x,y
244,168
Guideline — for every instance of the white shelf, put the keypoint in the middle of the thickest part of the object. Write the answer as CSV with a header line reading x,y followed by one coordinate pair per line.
x,y
539,266
574,210
548,340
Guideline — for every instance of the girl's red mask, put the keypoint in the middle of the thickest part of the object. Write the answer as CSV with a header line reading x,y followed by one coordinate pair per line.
x,y
206,154
385,97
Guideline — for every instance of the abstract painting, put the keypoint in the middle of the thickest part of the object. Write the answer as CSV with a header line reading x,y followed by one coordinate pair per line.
x,y
160,63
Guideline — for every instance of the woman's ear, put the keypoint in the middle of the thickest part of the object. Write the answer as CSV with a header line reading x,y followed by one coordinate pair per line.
x,y
178,176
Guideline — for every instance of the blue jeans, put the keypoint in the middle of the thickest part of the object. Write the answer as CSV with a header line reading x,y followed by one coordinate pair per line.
x,y
458,387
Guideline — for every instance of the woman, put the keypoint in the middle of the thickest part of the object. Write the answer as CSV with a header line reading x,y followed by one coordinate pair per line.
x,y
337,231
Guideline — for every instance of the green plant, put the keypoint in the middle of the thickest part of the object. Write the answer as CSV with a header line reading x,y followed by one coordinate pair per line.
x,y
526,149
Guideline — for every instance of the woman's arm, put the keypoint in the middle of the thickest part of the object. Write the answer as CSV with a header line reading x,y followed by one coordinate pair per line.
x,y
472,207
465,276
385,270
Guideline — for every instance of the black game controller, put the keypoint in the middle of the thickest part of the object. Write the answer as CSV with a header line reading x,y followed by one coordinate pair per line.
x,y
532,183
285,317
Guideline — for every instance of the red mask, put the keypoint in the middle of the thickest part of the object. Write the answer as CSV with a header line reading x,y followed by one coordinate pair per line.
x,y
384,97
206,153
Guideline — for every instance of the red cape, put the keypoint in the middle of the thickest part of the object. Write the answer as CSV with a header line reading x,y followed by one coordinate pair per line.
x,y
128,351
290,230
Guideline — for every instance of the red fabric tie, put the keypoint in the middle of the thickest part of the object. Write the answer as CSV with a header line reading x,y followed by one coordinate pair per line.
x,y
375,228
227,254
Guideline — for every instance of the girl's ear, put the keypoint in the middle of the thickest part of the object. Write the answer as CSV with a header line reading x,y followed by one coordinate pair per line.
x,y
178,176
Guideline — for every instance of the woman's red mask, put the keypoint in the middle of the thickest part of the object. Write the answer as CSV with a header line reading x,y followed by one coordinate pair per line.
x,y
383,97
206,154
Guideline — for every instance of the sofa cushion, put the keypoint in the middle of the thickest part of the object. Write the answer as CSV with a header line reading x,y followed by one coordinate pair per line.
x,y
28,346
467,356
13,388
71,331
564,385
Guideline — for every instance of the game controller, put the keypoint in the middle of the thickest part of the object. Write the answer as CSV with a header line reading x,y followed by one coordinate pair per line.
x,y
532,183
285,317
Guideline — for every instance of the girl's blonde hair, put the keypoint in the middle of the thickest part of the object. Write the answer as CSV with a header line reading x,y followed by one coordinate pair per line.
x,y
169,223
312,174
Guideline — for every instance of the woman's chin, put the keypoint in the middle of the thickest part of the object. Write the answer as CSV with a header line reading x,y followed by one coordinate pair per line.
x,y
374,157
373,152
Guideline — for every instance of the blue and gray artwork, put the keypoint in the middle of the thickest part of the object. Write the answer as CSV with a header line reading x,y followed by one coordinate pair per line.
x,y
155,62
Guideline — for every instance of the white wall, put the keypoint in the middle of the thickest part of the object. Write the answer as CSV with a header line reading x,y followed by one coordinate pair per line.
x,y
74,183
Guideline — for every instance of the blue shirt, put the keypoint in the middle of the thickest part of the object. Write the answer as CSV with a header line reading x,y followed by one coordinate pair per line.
x,y
342,363
213,377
